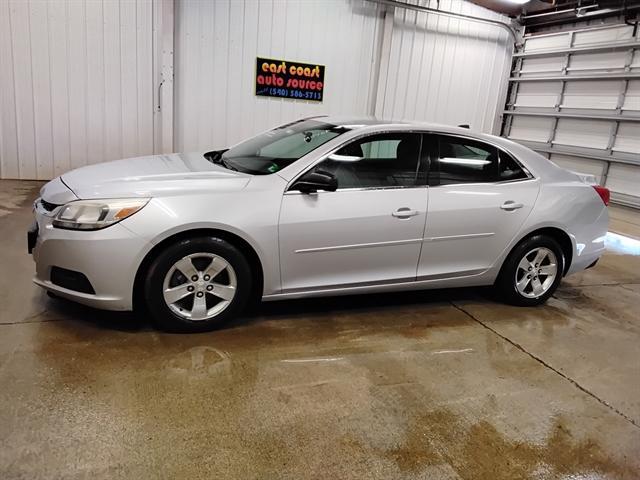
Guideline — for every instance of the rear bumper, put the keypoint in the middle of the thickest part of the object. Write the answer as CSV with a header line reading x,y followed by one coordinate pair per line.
x,y
109,259
589,243
583,262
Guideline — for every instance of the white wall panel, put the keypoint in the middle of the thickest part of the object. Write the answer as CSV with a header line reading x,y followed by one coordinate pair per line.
x,y
9,164
42,105
533,129
216,48
635,61
624,179
588,63
546,42
540,66
608,34
628,138
76,84
444,70
596,95
537,94
580,164
583,133
23,87
58,66
632,98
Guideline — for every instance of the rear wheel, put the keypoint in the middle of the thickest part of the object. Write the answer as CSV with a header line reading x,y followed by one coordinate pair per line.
x,y
197,284
531,272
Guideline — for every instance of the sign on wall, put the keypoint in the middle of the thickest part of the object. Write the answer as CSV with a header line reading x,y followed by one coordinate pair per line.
x,y
286,79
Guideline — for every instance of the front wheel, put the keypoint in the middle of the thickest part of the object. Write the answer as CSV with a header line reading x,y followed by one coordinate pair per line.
x,y
197,284
531,272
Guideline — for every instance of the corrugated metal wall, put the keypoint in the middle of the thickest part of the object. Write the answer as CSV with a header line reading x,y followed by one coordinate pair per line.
x,y
431,68
445,70
76,84
576,99
216,48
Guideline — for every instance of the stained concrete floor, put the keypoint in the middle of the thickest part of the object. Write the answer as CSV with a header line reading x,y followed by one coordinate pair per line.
x,y
437,385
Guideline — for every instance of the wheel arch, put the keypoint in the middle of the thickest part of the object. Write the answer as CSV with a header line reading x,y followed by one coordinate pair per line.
x,y
559,235
236,240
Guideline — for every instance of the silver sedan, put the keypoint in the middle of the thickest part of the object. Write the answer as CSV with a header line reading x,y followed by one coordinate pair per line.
x,y
320,206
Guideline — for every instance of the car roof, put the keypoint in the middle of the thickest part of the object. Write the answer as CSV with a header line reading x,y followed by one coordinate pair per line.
x,y
355,123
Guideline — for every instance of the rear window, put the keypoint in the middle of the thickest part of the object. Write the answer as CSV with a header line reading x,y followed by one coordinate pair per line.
x,y
462,160
509,168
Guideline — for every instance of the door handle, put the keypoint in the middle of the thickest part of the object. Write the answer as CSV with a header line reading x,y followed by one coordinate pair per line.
x,y
405,212
510,206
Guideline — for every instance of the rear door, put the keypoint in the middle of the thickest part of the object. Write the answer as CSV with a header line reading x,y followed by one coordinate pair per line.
x,y
478,199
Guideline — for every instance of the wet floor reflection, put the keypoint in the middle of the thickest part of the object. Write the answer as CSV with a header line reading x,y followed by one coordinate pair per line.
x,y
622,244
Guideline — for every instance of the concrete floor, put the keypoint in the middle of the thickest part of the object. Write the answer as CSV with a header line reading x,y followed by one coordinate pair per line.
x,y
438,384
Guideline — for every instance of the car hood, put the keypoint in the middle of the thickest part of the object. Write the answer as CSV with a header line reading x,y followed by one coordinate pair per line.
x,y
154,175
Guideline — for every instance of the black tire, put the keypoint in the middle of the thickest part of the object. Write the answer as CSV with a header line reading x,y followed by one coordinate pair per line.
x,y
163,316
505,285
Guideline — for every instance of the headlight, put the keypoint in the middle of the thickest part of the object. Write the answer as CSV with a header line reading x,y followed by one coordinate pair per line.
x,y
96,214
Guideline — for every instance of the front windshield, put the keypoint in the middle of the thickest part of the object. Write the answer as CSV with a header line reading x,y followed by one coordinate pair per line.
x,y
278,148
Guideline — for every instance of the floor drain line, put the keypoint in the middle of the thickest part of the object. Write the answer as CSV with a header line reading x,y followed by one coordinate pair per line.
x,y
542,362
24,322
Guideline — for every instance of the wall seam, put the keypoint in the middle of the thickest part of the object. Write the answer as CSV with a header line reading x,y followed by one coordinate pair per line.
x,y
15,100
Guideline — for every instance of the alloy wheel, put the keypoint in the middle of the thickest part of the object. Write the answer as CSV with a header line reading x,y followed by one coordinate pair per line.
x,y
199,286
536,272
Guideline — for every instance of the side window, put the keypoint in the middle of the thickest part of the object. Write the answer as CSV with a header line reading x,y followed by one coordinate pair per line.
x,y
509,168
385,160
466,161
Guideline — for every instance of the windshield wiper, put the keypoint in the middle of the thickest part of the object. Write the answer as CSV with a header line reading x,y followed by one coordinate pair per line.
x,y
216,157
226,164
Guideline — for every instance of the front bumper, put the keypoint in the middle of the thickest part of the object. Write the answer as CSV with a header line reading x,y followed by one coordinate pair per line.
x,y
109,258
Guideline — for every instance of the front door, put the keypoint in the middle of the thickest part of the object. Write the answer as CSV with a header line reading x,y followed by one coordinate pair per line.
x,y
369,230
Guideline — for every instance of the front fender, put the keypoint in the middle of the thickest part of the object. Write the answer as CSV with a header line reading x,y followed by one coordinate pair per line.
x,y
255,223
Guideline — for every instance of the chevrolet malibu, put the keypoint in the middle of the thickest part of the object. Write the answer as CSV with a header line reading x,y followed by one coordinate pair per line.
x,y
320,206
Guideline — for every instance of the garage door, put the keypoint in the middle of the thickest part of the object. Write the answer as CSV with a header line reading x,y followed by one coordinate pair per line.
x,y
575,98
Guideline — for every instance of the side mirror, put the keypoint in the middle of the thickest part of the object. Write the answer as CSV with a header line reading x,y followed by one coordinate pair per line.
x,y
314,181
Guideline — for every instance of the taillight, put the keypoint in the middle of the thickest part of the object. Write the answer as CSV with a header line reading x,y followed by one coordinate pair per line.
x,y
604,193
